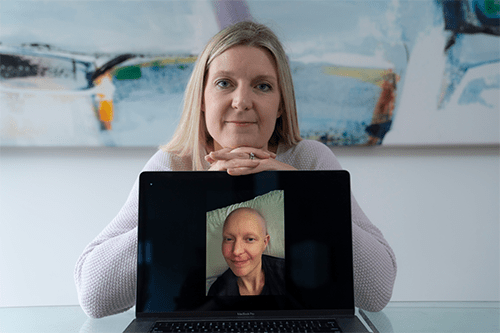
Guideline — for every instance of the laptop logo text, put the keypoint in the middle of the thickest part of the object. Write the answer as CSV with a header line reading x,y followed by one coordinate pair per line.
x,y
245,313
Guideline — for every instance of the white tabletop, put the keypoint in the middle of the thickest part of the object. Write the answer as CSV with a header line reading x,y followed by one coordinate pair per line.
x,y
396,317
55,319
453,317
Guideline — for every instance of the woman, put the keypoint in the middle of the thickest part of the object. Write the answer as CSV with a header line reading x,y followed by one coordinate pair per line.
x,y
239,116
250,272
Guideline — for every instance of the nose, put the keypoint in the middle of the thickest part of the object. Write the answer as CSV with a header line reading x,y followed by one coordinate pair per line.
x,y
242,99
238,249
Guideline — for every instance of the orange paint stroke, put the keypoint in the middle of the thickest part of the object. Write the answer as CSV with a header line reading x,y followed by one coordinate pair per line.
x,y
376,76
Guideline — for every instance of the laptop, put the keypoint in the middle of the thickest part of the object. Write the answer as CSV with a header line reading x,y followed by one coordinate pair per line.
x,y
186,283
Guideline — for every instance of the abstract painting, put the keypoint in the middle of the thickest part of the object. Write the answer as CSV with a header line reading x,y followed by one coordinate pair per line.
x,y
113,73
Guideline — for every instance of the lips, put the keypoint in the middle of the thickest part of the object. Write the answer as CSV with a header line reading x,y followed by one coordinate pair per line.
x,y
241,123
240,263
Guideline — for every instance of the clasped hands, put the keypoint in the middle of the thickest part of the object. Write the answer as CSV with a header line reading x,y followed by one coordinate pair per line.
x,y
244,160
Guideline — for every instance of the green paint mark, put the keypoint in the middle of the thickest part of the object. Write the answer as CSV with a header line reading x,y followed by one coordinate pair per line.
x,y
492,6
157,63
128,73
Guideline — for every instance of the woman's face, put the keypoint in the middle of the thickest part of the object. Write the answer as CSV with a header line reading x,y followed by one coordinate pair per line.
x,y
244,241
241,98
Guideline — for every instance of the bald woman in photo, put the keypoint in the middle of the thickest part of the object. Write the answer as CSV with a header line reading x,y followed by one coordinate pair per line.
x,y
244,239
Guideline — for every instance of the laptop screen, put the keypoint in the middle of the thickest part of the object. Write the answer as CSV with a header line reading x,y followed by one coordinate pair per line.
x,y
201,235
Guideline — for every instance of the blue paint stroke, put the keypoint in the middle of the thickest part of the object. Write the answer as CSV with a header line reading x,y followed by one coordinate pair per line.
x,y
472,92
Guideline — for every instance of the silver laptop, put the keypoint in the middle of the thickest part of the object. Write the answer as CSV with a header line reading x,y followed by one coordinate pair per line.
x,y
187,282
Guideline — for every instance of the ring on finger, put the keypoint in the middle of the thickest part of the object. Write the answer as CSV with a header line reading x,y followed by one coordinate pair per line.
x,y
252,156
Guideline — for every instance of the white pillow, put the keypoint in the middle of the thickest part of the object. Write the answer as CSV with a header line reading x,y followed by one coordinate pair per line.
x,y
270,205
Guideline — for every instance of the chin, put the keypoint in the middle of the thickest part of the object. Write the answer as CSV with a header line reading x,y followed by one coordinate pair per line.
x,y
238,141
239,273
247,145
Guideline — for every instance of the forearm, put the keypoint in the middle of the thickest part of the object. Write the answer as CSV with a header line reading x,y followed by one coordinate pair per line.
x,y
105,275
374,264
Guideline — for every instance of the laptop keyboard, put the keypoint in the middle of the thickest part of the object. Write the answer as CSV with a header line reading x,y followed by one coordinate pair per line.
x,y
258,326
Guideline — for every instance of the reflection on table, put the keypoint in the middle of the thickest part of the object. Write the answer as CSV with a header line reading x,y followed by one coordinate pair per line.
x,y
397,317
439,317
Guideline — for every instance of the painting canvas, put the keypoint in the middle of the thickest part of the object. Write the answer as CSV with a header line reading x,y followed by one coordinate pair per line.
x,y
113,73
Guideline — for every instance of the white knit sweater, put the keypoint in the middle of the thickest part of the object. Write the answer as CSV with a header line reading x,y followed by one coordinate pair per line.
x,y
105,273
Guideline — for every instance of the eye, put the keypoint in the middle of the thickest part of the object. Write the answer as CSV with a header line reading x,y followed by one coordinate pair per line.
x,y
227,239
251,239
265,87
222,84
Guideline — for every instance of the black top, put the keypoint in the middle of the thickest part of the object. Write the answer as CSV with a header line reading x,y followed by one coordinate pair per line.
x,y
274,270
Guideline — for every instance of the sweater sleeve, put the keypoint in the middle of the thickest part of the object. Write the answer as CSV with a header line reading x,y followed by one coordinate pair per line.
x,y
374,262
105,273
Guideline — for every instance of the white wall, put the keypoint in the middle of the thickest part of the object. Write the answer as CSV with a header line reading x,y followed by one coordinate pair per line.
x,y
438,207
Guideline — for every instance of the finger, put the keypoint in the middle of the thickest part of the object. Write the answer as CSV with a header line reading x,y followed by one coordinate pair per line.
x,y
218,156
223,165
241,163
209,159
265,164
231,155
239,153
259,153
222,154
241,167
263,154
242,171
217,167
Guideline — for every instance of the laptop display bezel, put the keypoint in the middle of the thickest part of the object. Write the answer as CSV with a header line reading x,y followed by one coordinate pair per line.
x,y
315,184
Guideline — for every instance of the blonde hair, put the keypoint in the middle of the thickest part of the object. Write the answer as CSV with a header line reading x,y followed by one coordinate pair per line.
x,y
191,137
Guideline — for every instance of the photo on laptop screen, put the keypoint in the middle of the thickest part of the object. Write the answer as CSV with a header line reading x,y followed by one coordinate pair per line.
x,y
246,247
